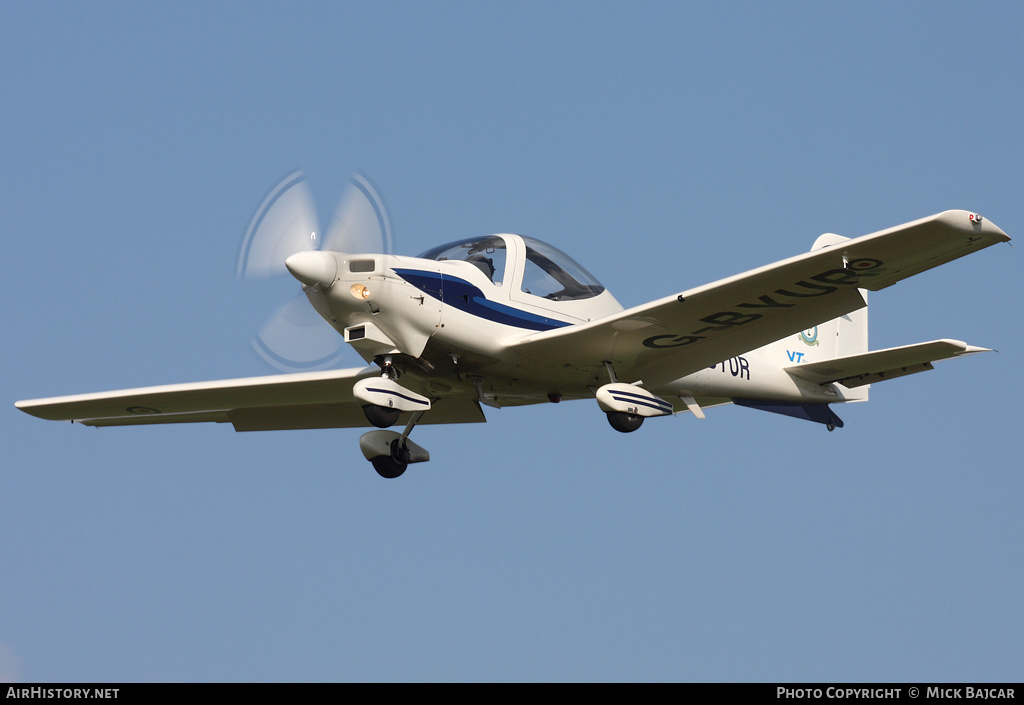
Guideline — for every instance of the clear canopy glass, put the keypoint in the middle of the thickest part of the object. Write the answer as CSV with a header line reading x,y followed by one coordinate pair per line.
x,y
487,253
554,275
550,273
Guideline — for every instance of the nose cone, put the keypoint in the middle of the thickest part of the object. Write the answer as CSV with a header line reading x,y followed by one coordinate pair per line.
x,y
316,269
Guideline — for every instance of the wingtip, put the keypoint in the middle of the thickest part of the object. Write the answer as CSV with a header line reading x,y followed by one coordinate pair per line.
x,y
972,221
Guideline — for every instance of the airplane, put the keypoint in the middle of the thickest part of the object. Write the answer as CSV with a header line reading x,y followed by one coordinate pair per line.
x,y
507,320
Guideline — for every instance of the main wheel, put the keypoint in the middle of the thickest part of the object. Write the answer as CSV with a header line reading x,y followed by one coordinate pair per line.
x,y
381,416
393,465
623,422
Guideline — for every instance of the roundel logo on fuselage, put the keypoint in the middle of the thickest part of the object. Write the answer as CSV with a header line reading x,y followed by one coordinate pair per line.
x,y
810,336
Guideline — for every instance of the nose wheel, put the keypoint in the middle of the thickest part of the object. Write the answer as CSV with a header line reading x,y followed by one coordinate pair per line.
x,y
391,452
392,465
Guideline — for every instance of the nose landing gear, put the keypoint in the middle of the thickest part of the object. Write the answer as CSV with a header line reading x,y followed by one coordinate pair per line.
x,y
391,452
394,464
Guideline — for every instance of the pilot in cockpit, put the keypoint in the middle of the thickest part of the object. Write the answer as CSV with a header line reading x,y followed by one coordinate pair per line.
x,y
484,264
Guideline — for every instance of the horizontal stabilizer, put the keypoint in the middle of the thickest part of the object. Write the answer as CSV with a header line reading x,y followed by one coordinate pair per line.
x,y
880,365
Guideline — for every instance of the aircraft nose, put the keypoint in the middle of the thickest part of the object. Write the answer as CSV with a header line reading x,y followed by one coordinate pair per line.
x,y
317,269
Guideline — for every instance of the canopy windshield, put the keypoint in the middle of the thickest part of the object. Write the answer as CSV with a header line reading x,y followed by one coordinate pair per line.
x,y
487,253
549,272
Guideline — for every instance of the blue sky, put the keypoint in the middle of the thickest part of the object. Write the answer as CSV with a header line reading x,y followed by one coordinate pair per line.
x,y
663,145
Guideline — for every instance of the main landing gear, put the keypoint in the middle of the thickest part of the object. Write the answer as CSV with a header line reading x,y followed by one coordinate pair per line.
x,y
381,416
624,422
627,405
383,399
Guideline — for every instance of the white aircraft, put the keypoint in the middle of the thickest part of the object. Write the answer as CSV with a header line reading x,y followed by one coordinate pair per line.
x,y
506,320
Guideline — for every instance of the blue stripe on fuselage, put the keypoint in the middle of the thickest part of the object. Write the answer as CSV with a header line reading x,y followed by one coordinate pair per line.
x,y
460,294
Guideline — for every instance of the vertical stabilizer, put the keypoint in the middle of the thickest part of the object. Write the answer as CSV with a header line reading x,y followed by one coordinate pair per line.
x,y
839,337
849,333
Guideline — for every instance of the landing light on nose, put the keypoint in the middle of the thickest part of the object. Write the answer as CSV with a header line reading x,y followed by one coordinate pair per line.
x,y
316,269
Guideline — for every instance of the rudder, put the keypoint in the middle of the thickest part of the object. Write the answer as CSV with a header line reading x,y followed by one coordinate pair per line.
x,y
846,335
839,337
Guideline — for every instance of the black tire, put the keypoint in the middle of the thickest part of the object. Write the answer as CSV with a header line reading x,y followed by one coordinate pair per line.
x,y
381,416
623,422
391,466
388,467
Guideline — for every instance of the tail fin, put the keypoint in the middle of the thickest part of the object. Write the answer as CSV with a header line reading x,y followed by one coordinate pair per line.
x,y
850,331
840,337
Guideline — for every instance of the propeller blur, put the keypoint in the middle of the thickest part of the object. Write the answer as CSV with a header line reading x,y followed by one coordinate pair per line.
x,y
295,337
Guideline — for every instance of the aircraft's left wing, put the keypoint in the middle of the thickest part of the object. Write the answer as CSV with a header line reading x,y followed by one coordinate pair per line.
x,y
291,401
678,335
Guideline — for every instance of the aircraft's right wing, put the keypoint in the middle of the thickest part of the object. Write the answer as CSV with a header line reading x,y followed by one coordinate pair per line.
x,y
678,335
277,402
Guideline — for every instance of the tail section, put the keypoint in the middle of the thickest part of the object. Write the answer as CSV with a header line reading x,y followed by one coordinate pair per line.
x,y
836,353
850,331
845,359
841,337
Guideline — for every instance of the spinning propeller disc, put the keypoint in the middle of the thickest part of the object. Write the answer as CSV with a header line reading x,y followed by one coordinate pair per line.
x,y
295,337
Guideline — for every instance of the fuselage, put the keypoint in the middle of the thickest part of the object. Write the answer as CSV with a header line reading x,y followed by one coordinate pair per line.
x,y
451,318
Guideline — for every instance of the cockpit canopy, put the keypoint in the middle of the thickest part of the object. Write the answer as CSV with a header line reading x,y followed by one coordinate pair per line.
x,y
549,273
487,253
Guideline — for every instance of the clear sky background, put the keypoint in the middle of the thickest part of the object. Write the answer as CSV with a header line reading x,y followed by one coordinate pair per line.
x,y
663,145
